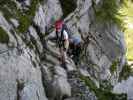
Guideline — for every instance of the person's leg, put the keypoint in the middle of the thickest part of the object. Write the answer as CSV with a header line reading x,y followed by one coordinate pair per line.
x,y
66,46
76,54
61,55
62,61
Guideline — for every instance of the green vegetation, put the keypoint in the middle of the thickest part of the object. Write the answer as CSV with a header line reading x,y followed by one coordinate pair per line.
x,y
121,14
106,85
4,38
24,23
126,72
109,12
103,93
25,20
114,65
10,10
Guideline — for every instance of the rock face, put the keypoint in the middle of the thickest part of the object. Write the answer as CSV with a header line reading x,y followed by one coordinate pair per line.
x,y
19,76
125,87
29,63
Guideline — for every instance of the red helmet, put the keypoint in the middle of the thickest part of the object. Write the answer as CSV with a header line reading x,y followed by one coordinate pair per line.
x,y
58,24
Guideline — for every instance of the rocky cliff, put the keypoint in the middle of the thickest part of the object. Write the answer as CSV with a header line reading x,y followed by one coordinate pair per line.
x,y
29,64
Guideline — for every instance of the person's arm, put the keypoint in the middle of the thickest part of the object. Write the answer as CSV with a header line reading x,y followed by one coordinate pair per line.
x,y
66,41
65,35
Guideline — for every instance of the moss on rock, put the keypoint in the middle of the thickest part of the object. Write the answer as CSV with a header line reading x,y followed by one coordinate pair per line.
x,y
4,38
25,17
25,22
8,8
114,65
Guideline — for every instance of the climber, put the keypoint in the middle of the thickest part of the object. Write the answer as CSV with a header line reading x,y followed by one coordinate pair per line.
x,y
62,40
74,50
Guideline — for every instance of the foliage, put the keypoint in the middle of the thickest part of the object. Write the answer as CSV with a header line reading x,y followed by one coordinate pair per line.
x,y
109,12
25,20
114,65
126,72
106,85
10,10
24,23
120,13
102,94
4,38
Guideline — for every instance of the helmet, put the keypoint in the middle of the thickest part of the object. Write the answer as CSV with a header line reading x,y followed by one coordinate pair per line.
x,y
58,24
